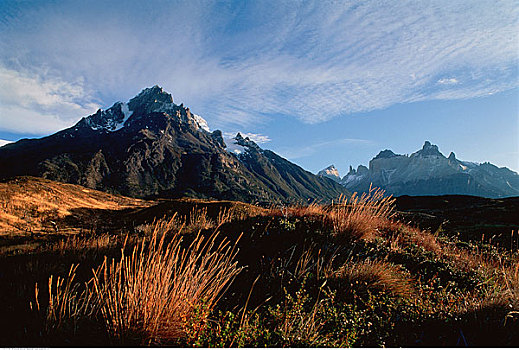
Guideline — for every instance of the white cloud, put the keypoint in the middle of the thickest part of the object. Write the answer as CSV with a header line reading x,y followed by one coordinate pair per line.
x,y
301,152
258,138
447,81
4,142
237,66
36,104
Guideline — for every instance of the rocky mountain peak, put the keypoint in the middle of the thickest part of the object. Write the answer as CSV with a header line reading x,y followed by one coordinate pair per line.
x,y
429,172
245,142
429,149
148,96
111,119
163,150
385,154
240,145
331,172
452,156
154,99
149,101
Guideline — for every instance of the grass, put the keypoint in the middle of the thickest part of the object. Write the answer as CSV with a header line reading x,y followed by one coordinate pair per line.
x,y
35,205
204,273
375,275
159,293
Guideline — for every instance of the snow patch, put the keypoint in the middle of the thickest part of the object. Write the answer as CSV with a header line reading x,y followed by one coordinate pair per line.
x,y
127,114
201,122
4,142
232,145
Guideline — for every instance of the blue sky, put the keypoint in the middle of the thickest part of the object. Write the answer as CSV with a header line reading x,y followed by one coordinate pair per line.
x,y
318,82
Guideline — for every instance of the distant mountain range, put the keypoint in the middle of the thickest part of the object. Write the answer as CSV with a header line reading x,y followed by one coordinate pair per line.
x,y
428,172
151,147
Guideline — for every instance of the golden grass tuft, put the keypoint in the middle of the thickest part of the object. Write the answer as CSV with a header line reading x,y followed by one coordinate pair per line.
x,y
158,293
311,210
360,217
376,275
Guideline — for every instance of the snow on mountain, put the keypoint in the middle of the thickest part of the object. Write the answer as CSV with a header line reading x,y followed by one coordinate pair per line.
x,y
112,119
202,123
330,172
151,147
149,101
4,142
240,145
127,114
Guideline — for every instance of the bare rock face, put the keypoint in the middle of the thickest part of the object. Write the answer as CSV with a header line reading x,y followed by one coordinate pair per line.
x,y
429,172
151,147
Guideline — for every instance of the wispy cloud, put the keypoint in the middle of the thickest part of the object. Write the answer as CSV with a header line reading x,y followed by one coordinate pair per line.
x,y
36,104
239,64
300,152
448,81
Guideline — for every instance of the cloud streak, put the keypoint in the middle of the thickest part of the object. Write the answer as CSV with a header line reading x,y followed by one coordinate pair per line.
x,y
241,64
301,152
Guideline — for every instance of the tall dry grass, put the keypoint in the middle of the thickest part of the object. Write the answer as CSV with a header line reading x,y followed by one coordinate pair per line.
x,y
67,303
359,217
197,220
356,217
161,291
376,275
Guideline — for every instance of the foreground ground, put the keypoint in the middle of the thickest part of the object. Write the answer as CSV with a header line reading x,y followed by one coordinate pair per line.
x,y
81,267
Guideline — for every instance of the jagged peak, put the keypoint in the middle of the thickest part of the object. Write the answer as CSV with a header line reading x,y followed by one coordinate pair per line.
x,y
429,149
240,145
112,119
387,153
452,156
362,169
150,100
330,167
218,137
245,142
329,170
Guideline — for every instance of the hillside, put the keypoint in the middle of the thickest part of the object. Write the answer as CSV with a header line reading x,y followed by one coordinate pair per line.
x,y
356,273
35,210
33,205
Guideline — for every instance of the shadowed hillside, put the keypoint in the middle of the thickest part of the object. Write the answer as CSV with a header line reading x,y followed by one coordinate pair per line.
x,y
220,273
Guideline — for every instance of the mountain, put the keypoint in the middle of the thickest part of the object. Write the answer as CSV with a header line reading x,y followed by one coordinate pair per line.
x,y
429,172
151,147
330,172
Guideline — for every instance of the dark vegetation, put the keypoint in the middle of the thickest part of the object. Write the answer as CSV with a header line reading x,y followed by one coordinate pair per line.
x,y
207,273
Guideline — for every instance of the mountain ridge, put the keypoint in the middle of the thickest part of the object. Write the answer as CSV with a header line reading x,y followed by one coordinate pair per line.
x,y
428,172
151,147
